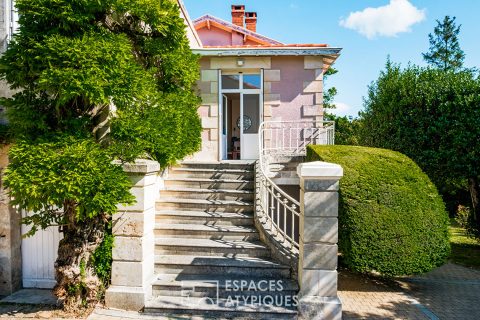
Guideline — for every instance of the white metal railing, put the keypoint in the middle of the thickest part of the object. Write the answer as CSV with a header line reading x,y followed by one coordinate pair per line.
x,y
278,211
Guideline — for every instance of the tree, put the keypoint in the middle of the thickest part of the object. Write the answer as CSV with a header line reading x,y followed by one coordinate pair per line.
x,y
433,117
96,81
445,52
345,128
329,95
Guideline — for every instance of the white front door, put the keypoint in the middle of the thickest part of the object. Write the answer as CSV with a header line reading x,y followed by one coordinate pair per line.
x,y
247,90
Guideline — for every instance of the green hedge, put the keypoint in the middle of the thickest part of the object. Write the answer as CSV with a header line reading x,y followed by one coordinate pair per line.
x,y
391,217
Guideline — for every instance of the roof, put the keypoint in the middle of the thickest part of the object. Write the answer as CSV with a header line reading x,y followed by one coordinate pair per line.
x,y
208,20
266,46
329,54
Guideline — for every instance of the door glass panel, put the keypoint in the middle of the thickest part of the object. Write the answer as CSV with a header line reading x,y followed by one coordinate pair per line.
x,y
251,113
231,81
224,113
252,81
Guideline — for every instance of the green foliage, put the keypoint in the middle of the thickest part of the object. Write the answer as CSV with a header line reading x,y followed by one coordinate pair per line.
x,y
391,218
136,130
430,115
445,52
462,216
75,61
43,175
433,117
102,258
81,69
346,129
330,94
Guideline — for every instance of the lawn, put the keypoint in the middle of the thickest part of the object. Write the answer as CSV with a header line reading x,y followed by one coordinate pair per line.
x,y
465,250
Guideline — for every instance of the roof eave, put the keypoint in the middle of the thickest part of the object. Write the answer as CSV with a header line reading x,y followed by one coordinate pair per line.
x,y
297,51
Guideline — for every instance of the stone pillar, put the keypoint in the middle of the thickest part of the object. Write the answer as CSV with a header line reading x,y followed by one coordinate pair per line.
x,y
134,245
10,238
317,268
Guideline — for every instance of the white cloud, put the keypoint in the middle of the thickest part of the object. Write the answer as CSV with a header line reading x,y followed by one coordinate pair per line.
x,y
388,21
342,109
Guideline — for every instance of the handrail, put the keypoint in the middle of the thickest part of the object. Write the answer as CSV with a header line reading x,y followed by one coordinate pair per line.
x,y
280,212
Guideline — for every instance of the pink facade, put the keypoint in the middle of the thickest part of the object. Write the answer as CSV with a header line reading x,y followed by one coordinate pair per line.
x,y
292,81
290,88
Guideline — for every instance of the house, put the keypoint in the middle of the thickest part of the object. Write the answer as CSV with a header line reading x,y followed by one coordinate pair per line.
x,y
209,230
248,75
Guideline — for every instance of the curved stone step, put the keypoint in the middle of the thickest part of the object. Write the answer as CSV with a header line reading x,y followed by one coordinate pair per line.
x,y
207,173
221,309
204,217
210,183
210,247
238,266
214,285
223,165
206,232
205,205
207,194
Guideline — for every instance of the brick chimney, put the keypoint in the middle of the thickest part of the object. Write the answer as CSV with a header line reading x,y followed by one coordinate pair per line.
x,y
238,15
251,21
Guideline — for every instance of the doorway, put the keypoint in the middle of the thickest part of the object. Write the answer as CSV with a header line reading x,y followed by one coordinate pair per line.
x,y
241,98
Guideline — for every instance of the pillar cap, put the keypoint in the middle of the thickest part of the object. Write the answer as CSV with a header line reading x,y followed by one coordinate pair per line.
x,y
140,166
320,170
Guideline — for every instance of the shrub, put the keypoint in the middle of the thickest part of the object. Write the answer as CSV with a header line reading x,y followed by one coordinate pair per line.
x,y
391,217
462,216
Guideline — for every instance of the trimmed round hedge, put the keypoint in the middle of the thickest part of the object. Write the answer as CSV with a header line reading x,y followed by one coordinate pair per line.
x,y
391,217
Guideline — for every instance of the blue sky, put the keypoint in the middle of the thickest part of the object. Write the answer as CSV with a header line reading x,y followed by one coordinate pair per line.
x,y
398,28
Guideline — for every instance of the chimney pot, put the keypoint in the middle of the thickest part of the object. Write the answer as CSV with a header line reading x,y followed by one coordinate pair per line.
x,y
251,21
238,15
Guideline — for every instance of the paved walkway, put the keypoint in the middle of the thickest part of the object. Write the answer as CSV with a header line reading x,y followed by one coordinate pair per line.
x,y
451,292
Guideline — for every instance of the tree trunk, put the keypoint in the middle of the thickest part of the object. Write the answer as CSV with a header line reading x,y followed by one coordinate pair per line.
x,y
474,188
77,284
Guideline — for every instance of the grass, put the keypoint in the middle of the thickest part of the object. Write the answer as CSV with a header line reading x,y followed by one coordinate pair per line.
x,y
465,250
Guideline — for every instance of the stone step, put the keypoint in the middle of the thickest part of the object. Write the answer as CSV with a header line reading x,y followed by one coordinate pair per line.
x,y
241,266
207,194
224,165
206,173
205,205
279,158
206,232
210,183
292,166
219,309
213,286
204,217
209,247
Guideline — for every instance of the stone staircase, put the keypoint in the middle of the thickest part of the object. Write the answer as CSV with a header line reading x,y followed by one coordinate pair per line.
x,y
209,260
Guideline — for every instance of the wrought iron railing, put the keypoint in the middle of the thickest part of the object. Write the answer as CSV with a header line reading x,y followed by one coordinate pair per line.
x,y
279,212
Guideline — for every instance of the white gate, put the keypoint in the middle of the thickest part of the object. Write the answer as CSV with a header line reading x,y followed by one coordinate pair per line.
x,y
38,258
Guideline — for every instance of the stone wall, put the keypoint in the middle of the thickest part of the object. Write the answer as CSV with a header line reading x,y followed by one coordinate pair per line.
x,y
10,238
